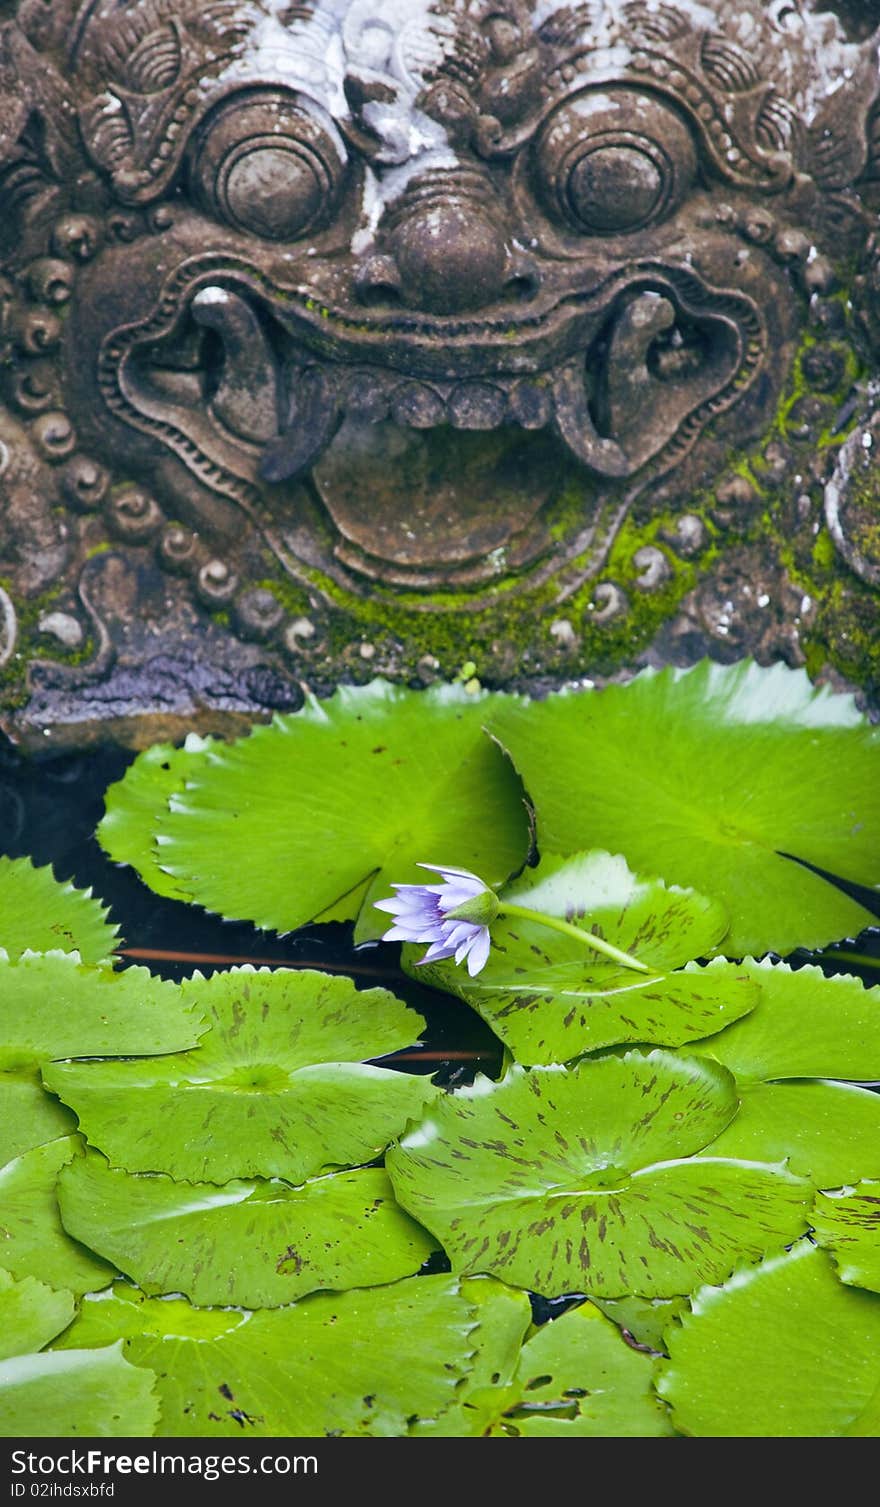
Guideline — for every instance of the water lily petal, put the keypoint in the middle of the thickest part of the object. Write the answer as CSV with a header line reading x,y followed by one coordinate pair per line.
x,y
412,934
479,953
456,873
460,934
436,954
393,907
422,913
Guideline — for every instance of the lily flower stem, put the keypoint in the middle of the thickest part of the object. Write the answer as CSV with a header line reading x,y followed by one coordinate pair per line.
x,y
587,938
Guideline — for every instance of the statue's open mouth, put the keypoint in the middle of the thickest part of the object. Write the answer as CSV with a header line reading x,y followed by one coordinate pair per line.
x,y
259,391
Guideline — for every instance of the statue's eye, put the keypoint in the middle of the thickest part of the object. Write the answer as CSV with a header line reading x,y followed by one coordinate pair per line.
x,y
268,164
613,162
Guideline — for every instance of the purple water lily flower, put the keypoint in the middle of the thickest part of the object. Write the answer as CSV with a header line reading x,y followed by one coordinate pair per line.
x,y
453,916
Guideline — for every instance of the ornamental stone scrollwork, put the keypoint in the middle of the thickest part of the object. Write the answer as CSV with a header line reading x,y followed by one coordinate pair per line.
x,y
356,335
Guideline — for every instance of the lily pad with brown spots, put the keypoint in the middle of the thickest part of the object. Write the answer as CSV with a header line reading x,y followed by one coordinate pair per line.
x,y
550,998
586,1179
577,1378
373,1361
847,1224
277,1086
257,1244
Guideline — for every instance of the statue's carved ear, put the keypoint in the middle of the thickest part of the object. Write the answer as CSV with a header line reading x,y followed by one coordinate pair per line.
x,y
838,144
39,156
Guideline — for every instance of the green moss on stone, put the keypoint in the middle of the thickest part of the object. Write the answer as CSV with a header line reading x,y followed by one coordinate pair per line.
x,y
32,644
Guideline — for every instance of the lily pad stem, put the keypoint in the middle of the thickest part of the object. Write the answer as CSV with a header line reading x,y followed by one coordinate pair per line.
x,y
588,938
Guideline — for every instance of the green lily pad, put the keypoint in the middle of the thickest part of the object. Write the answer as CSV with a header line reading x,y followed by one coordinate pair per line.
x,y
579,1378
281,825
365,1362
661,925
28,1115
39,914
780,1351
804,1025
550,998
502,1316
135,805
575,1376
55,1006
76,1393
34,1241
645,1320
708,776
257,1244
828,1132
270,1090
348,907
565,1181
867,1424
31,1314
847,1224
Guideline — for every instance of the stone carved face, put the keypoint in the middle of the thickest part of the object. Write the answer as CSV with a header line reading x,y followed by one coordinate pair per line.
x,y
416,294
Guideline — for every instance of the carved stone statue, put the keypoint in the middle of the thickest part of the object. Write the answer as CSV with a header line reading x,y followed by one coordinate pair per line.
x,y
354,335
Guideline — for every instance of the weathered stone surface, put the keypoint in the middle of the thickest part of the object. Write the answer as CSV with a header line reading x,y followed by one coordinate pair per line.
x,y
421,327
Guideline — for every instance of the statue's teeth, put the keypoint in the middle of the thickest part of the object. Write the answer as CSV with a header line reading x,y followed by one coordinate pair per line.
x,y
531,404
477,405
417,406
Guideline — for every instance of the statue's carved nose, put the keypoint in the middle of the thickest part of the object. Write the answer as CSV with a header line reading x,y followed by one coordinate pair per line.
x,y
450,257
447,241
